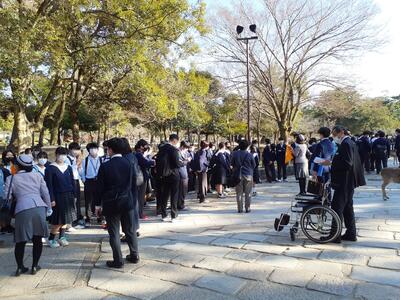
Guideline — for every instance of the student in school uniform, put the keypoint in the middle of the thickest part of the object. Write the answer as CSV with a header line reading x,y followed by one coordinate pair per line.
x,y
42,163
90,168
73,160
60,182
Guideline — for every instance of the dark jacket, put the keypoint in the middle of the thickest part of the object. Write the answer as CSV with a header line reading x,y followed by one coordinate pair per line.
x,y
58,182
347,171
144,164
364,145
244,160
381,147
281,153
397,143
114,179
173,160
269,156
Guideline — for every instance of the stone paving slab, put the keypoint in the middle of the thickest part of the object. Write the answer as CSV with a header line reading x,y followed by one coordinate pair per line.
x,y
265,248
389,235
392,263
243,255
188,260
374,291
130,285
193,293
302,252
250,237
273,291
252,271
221,283
229,242
279,261
215,264
290,277
170,272
387,277
333,285
344,257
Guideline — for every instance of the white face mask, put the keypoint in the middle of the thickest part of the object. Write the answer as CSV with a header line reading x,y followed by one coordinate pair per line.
x,y
337,140
281,142
61,158
94,151
42,161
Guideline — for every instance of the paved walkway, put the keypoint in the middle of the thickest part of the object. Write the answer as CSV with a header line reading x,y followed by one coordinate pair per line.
x,y
215,253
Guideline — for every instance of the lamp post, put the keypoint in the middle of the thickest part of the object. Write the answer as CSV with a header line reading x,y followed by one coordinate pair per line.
x,y
239,30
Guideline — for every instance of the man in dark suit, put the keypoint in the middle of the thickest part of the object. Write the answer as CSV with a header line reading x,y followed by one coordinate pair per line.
x,y
381,150
269,158
364,149
397,144
116,202
281,159
168,163
347,174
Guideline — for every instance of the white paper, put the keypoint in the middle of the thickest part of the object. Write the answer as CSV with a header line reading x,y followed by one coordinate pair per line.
x,y
319,160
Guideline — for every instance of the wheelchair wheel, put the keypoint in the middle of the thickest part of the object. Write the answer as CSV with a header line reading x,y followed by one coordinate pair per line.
x,y
321,224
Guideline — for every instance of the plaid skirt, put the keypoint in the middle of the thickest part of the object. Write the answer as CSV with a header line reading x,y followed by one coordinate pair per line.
x,y
64,212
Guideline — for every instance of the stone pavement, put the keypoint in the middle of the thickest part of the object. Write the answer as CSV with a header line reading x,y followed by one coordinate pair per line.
x,y
212,252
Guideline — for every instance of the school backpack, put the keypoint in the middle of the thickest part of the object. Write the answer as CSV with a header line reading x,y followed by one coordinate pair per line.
x,y
380,151
195,165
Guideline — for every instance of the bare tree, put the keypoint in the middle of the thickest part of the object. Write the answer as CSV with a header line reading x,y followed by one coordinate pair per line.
x,y
300,43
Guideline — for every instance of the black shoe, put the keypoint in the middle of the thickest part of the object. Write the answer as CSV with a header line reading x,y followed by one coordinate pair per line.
x,y
113,264
248,210
36,269
134,259
20,271
137,233
202,200
325,238
349,238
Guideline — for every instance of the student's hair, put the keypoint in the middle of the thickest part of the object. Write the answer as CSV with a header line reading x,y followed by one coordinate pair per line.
x,y
339,128
324,131
253,149
203,144
300,139
4,155
267,141
312,140
28,150
42,154
366,132
281,138
117,145
227,144
381,133
74,146
173,137
221,145
61,151
398,130
126,146
141,143
243,144
254,142
185,145
211,145
105,144
91,146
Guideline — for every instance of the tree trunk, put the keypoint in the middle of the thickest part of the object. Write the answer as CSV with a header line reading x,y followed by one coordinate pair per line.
x,y
98,135
283,131
59,136
22,131
75,124
41,136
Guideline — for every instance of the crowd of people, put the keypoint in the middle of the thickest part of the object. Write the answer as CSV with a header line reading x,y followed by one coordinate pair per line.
x,y
118,183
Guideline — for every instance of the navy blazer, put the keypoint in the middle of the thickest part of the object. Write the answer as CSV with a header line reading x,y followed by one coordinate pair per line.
x,y
114,176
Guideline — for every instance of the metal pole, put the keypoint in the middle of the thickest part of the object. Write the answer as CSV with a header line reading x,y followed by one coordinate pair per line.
x,y
248,91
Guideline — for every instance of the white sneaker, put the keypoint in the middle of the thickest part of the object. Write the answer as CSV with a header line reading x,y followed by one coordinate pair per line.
x,y
228,190
79,226
164,219
71,229
53,244
63,241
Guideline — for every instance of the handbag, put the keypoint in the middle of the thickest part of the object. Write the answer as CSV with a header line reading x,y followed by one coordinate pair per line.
x,y
7,209
315,187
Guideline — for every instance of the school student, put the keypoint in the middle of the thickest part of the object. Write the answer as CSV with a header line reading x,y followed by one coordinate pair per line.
x,y
42,163
73,160
89,171
60,182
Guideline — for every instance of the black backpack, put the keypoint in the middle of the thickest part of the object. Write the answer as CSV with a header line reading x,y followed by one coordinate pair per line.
x,y
380,151
163,168
195,165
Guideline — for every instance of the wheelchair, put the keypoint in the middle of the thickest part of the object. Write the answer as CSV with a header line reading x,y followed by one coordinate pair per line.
x,y
313,214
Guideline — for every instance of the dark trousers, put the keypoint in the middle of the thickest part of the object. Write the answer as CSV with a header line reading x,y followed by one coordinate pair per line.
x,y
192,181
270,172
126,219
372,162
169,190
282,170
202,185
366,161
379,163
78,200
183,189
342,204
141,198
90,193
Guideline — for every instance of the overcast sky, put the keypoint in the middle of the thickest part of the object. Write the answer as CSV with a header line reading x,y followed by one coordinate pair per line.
x,y
377,73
